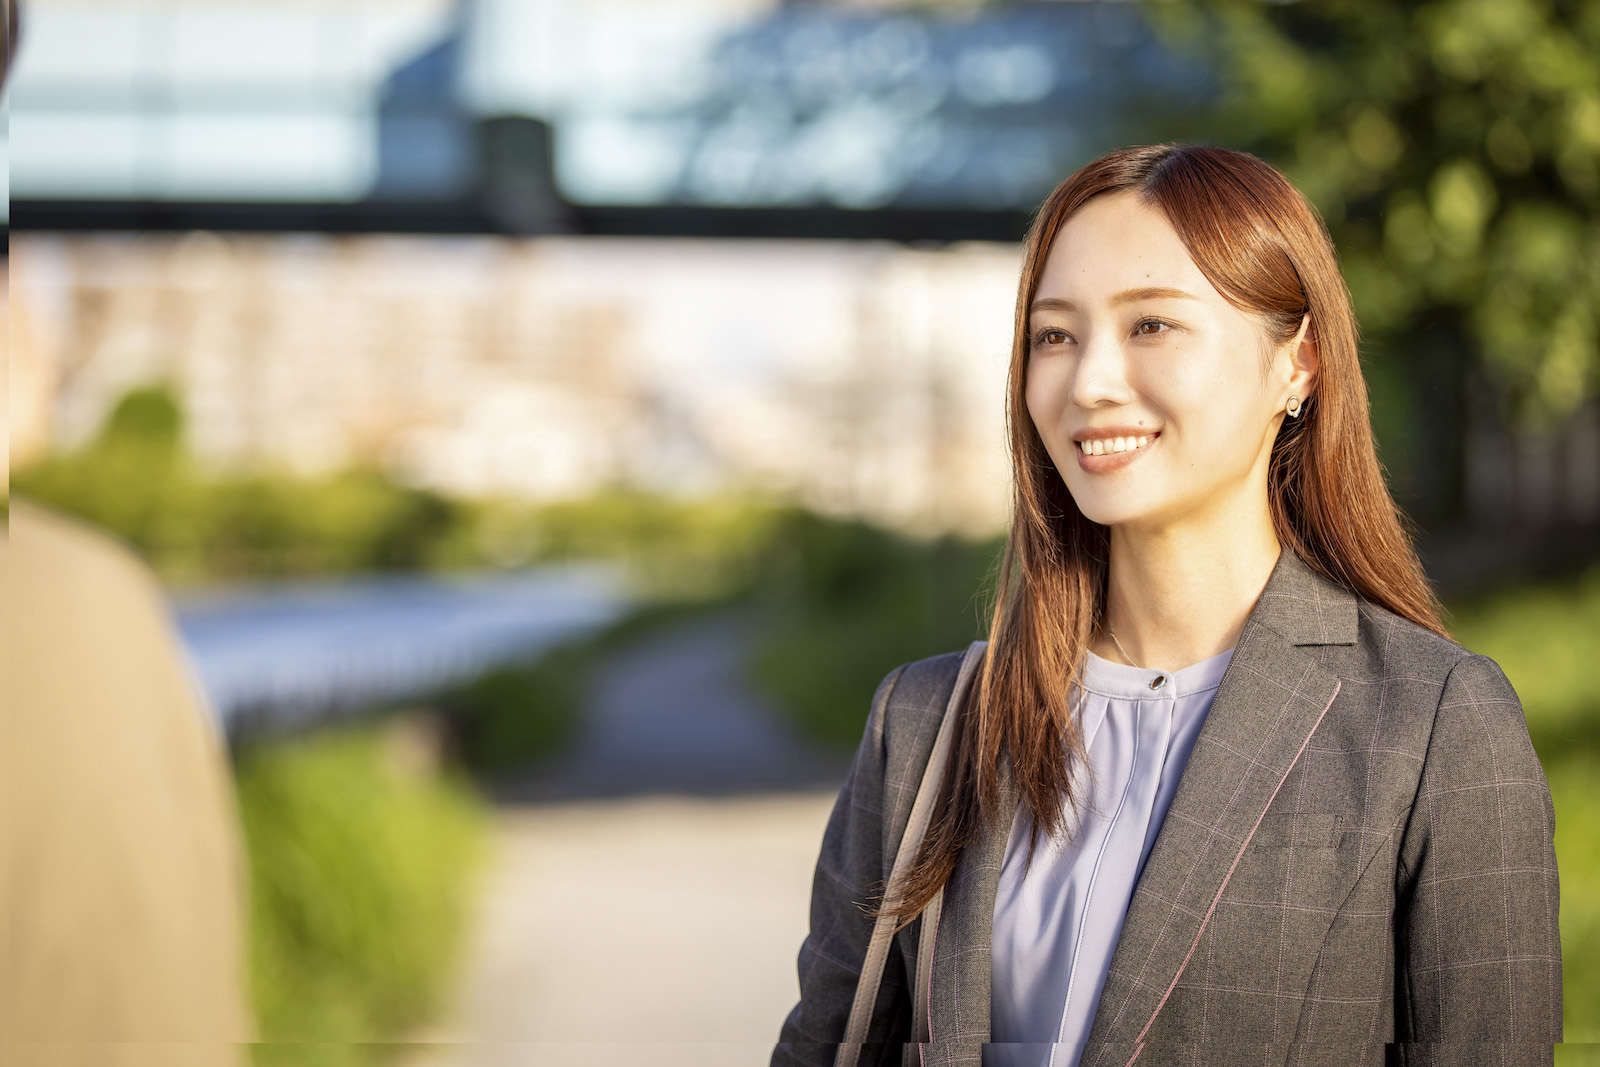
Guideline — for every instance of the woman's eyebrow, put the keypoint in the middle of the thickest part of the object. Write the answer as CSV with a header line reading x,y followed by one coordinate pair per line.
x,y
1127,296
1131,296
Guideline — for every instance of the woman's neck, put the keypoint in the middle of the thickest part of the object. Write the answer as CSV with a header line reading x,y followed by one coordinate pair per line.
x,y
1181,595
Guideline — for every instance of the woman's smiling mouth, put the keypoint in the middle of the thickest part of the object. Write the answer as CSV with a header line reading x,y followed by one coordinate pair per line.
x,y
1104,445
1104,455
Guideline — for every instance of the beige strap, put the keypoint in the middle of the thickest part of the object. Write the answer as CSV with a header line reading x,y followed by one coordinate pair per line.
x,y
916,829
921,1030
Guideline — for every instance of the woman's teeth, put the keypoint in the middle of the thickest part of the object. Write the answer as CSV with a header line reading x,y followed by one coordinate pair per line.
x,y
1101,446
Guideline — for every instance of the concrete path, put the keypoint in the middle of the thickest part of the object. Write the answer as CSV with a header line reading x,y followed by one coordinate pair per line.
x,y
650,894
648,931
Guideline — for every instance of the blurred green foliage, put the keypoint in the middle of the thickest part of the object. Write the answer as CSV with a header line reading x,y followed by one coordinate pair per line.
x,y
362,862
672,548
1544,637
845,601
136,480
1572,1054
518,713
1454,148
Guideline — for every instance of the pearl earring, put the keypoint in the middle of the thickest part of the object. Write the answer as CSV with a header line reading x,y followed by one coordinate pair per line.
x,y
1294,407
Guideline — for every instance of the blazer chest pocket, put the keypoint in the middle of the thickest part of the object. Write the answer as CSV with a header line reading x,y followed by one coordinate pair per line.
x,y
1303,830
1294,860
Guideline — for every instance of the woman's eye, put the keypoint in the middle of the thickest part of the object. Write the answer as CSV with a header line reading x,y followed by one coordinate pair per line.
x,y
1151,328
1050,337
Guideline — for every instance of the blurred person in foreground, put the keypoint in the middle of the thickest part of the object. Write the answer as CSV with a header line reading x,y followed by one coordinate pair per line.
x,y
1223,789
121,878
122,883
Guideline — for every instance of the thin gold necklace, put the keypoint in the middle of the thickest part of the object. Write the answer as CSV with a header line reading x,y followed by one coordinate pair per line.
x,y
1124,651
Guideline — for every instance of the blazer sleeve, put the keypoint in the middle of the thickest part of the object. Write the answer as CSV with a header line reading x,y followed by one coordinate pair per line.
x,y
849,876
1478,948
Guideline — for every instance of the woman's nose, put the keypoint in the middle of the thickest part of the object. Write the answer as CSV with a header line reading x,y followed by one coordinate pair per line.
x,y
1101,376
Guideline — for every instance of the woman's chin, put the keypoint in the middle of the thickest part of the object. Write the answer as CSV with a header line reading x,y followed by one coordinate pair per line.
x,y
1112,501
1097,508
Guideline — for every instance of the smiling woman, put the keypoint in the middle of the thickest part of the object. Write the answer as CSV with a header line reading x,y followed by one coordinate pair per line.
x,y
1219,787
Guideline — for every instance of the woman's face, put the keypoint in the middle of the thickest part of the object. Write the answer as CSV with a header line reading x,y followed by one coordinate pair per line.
x,y
1177,393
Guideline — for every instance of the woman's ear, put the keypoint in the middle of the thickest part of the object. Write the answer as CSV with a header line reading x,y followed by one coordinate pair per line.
x,y
1303,359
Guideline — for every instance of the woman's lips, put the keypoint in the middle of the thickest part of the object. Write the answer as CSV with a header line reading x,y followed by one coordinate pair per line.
x,y
1109,462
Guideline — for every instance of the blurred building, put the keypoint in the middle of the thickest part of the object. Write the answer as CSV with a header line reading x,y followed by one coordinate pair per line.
x,y
865,378
862,377
858,377
141,100
499,114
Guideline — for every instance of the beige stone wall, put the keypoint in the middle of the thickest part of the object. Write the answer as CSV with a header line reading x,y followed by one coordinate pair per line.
x,y
860,378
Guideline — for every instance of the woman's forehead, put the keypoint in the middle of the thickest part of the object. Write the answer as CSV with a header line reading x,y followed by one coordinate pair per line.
x,y
1116,244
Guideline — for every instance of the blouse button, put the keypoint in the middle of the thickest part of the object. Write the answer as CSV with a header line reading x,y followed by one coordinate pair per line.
x,y
1158,681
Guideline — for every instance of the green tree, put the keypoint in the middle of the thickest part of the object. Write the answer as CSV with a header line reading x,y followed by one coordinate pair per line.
x,y
147,417
1454,149
136,479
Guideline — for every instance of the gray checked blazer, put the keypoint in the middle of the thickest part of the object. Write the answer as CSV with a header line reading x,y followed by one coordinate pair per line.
x,y
1358,867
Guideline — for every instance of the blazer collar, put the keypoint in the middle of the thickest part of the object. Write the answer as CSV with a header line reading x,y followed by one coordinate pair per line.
x,y
1271,699
1304,607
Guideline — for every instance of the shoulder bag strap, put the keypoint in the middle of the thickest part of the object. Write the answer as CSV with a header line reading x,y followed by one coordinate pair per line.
x,y
916,829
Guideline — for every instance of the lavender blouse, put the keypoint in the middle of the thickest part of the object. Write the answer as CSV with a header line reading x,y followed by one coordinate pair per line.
x,y
1057,920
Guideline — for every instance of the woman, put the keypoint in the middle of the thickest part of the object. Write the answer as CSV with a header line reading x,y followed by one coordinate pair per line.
x,y
1225,789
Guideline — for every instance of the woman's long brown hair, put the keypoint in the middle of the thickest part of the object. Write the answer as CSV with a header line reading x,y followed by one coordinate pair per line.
x,y
1264,247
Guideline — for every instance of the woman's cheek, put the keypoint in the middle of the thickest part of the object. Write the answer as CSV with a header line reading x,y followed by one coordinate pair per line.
x,y
1044,400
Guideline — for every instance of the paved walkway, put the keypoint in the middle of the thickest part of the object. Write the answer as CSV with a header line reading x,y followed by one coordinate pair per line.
x,y
649,896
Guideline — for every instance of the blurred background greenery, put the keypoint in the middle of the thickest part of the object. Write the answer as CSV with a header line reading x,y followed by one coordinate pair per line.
x,y
362,858
1454,150
1452,146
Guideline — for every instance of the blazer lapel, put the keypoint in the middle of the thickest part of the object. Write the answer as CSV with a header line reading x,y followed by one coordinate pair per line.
x,y
1270,701
960,987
